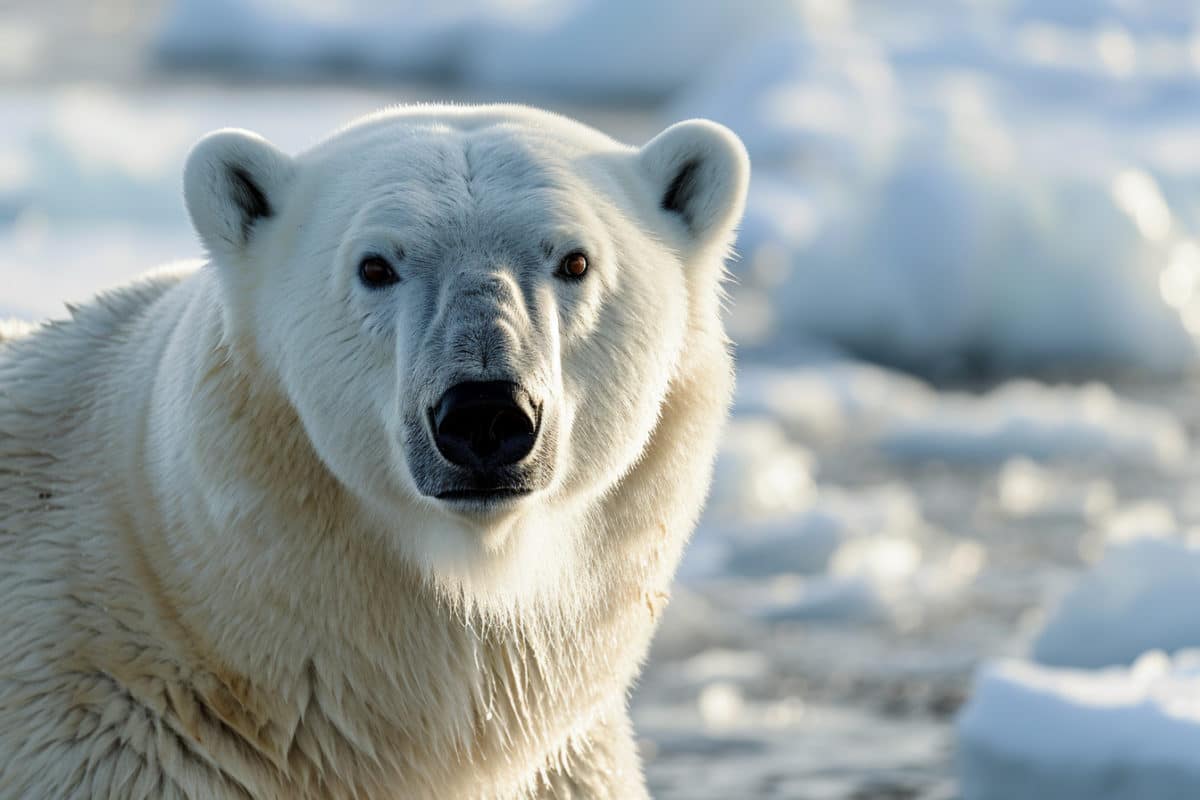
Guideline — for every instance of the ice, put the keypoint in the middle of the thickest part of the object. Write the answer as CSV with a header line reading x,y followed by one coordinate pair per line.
x,y
605,49
623,49
1031,491
785,549
83,152
1120,734
767,515
46,264
783,748
760,474
91,187
935,268
807,541
695,622
887,579
1141,596
828,400
783,543
1139,17
911,201
360,35
1039,421
1138,520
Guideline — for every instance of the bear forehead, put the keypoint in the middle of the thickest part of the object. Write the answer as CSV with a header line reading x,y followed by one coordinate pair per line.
x,y
501,156
513,121
432,175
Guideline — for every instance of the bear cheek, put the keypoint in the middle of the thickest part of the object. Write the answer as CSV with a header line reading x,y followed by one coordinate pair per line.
x,y
581,310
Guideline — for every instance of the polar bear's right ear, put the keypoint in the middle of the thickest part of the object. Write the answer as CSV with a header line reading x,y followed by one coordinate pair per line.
x,y
699,172
233,180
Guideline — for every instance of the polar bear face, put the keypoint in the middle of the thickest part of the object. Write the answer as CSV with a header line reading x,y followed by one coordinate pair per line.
x,y
476,313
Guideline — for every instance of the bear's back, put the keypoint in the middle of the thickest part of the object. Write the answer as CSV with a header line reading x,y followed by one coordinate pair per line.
x,y
50,375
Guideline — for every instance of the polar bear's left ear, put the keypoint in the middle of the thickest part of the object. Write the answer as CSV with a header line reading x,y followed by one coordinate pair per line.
x,y
699,171
233,181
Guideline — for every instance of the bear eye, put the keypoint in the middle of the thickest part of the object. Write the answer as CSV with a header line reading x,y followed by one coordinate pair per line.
x,y
573,266
376,273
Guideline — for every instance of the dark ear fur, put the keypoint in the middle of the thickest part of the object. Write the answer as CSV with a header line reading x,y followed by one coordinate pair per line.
x,y
248,196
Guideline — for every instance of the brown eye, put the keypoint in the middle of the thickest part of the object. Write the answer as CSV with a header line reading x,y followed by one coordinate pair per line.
x,y
376,273
573,266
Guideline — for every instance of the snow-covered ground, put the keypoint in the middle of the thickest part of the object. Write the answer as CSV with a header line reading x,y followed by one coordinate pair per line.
x,y
971,192
837,572
1142,596
1110,706
1033,731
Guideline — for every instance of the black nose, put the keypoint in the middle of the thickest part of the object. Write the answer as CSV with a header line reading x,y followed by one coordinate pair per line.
x,y
484,425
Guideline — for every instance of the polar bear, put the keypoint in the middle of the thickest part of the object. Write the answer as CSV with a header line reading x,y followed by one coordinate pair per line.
x,y
384,498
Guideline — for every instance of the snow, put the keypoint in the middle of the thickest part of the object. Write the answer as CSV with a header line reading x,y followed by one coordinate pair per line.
x,y
910,421
876,579
785,548
827,399
624,49
782,542
292,39
1120,733
1141,596
912,203
1024,418
599,48
784,749
760,473
1111,706
1027,490
807,541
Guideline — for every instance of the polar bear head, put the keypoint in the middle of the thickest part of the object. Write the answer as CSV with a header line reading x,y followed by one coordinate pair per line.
x,y
476,312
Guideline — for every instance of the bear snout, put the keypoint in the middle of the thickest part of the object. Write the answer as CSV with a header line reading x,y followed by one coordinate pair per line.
x,y
484,425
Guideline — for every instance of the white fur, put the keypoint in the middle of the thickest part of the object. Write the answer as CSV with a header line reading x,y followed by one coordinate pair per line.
x,y
218,577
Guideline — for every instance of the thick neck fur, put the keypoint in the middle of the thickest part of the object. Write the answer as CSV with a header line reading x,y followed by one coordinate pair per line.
x,y
285,639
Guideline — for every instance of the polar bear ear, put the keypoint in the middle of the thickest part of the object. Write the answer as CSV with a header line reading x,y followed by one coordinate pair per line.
x,y
233,180
699,171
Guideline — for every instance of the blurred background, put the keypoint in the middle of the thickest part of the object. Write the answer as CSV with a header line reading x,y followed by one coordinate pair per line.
x,y
951,549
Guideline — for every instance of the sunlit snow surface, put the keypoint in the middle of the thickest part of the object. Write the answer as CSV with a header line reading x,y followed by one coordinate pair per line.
x,y
841,589
1034,731
964,191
